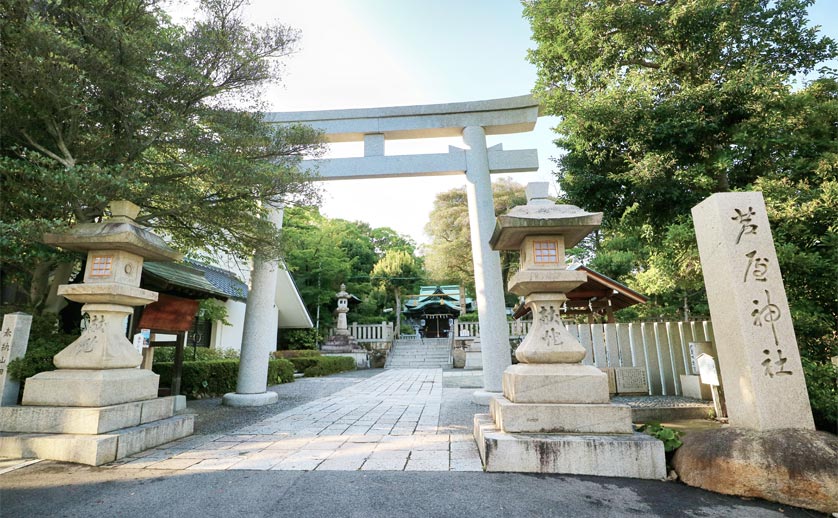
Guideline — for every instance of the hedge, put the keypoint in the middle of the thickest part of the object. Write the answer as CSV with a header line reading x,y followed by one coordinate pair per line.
x,y
217,377
296,353
314,366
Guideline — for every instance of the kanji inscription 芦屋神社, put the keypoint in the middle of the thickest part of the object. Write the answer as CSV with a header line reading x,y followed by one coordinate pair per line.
x,y
755,339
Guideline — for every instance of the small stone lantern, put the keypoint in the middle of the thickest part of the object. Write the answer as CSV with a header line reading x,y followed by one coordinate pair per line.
x,y
555,415
343,308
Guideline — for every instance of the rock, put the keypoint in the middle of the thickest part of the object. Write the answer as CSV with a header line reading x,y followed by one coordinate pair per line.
x,y
791,466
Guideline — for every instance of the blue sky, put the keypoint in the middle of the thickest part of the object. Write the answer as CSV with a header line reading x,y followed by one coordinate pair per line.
x,y
366,53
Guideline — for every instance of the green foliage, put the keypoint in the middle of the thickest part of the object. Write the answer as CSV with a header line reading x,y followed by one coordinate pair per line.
x,y
671,438
167,354
313,366
300,353
280,371
822,383
45,341
296,339
215,377
406,329
398,270
665,103
106,100
469,317
330,365
322,253
214,310
448,257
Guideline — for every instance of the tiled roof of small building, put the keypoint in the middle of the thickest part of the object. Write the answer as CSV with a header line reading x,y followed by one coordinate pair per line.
x,y
223,280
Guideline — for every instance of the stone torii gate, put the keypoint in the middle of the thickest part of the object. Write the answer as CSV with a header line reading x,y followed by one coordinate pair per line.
x,y
471,120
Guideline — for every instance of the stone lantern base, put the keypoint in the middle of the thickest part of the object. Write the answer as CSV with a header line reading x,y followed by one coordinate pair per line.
x,y
557,418
91,416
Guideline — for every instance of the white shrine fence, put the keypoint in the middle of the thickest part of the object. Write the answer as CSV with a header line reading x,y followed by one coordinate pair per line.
x,y
378,336
661,348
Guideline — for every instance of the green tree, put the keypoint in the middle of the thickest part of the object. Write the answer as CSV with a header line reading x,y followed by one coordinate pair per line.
x,y
448,257
323,252
664,103
398,270
109,99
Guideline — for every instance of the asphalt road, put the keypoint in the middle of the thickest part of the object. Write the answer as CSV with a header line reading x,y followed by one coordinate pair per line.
x,y
52,489
65,490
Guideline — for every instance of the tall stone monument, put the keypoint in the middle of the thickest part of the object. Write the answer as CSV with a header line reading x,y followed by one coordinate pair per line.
x,y
757,349
555,415
771,450
98,406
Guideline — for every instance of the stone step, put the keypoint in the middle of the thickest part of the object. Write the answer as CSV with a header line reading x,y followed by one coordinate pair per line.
x,y
87,420
95,450
634,455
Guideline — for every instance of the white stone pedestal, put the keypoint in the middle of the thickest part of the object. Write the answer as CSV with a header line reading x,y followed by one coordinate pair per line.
x,y
259,399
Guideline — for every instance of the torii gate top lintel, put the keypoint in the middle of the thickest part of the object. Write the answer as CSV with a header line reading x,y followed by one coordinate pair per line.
x,y
495,116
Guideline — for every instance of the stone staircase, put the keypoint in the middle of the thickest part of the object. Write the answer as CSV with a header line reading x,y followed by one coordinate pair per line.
x,y
427,353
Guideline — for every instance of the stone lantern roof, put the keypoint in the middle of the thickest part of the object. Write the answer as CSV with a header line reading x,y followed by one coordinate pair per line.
x,y
120,232
541,216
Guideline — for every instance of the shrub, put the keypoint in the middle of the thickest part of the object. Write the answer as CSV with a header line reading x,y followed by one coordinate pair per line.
x,y
313,366
216,377
301,363
299,339
823,395
326,365
296,354
202,354
45,341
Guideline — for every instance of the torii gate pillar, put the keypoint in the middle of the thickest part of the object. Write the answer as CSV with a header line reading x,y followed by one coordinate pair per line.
x,y
494,333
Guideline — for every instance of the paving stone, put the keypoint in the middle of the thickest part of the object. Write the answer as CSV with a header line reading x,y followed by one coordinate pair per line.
x,y
180,463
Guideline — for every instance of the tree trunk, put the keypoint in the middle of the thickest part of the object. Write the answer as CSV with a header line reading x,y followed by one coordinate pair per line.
x,y
397,291
40,284
54,302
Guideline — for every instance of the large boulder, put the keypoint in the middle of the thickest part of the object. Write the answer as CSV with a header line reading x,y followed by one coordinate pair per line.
x,y
791,466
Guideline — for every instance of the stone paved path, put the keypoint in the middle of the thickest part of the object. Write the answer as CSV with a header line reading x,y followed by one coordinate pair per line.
x,y
388,422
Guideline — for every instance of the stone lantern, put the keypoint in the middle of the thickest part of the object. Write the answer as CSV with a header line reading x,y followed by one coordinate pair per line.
x,y
343,308
98,406
555,414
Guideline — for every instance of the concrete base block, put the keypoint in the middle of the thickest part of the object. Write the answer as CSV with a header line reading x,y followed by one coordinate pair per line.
x,y
691,386
236,399
90,388
140,438
634,456
555,383
474,360
560,418
95,450
180,403
82,420
484,397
